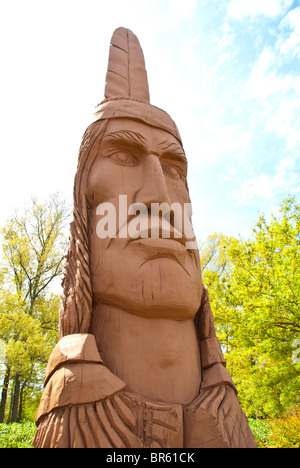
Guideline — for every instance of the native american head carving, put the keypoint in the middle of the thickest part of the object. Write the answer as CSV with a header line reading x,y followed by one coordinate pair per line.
x,y
131,157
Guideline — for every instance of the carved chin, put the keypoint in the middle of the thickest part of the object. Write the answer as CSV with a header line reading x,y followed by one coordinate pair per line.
x,y
161,288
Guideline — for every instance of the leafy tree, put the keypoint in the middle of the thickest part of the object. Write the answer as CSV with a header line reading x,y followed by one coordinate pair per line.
x,y
33,249
256,303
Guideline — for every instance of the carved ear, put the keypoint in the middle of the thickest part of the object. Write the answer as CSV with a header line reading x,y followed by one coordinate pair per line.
x,y
126,73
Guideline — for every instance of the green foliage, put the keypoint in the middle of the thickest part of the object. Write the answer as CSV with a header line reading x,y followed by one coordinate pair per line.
x,y
254,289
285,432
26,341
261,432
17,435
33,247
277,433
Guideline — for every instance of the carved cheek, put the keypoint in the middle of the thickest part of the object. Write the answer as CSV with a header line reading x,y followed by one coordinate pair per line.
x,y
108,180
177,191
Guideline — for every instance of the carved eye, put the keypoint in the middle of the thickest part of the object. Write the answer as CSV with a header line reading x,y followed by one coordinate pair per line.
x,y
123,158
172,171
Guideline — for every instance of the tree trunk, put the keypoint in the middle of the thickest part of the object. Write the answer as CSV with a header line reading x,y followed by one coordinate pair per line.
x,y
15,403
4,394
23,386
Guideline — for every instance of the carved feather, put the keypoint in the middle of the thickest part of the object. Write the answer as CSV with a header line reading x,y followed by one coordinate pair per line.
x,y
126,72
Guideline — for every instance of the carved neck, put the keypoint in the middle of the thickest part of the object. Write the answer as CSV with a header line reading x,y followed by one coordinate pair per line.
x,y
157,358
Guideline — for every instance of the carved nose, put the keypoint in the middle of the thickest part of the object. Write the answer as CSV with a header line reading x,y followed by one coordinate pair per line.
x,y
154,189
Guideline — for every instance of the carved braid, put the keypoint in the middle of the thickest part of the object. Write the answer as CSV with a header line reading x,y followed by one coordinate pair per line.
x,y
76,308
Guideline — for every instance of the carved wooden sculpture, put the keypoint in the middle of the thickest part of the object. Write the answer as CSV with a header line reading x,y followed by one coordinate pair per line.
x,y
138,363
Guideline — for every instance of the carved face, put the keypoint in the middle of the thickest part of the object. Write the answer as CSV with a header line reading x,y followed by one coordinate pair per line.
x,y
151,277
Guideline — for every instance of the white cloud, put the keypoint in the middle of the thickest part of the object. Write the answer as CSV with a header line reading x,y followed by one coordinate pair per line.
x,y
263,86
264,186
286,122
230,141
290,45
225,40
241,9
263,81
278,95
179,10
265,61
261,186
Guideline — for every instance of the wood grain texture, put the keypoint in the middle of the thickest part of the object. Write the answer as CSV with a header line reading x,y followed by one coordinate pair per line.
x,y
216,420
126,72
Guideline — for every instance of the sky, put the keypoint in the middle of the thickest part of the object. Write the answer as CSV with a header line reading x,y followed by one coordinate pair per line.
x,y
227,71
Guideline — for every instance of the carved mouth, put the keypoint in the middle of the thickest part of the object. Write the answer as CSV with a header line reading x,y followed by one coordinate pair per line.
x,y
156,227
157,232
169,257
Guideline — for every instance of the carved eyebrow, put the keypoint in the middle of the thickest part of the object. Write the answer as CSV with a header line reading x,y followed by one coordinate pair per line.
x,y
172,147
128,135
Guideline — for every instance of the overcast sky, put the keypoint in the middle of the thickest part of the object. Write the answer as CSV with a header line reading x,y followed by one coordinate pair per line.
x,y
227,71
